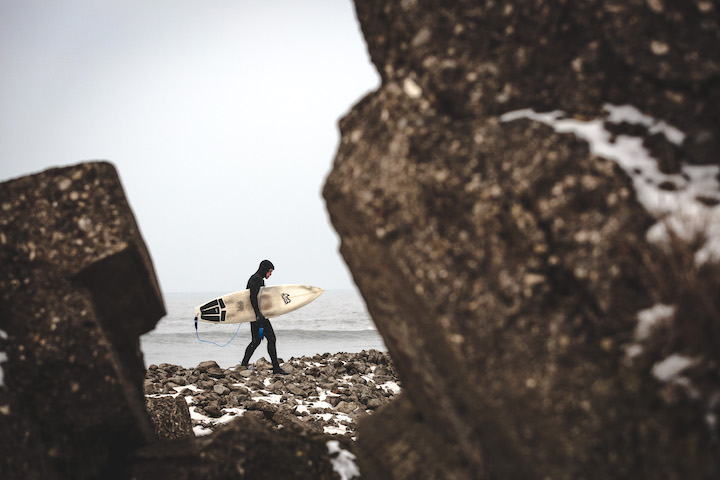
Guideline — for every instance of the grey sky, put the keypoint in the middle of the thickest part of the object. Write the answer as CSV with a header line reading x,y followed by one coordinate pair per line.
x,y
220,115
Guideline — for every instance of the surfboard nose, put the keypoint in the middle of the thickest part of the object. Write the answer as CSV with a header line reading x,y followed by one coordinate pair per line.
x,y
316,290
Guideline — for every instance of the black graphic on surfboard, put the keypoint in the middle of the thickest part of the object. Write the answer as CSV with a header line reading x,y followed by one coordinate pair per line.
x,y
286,298
213,311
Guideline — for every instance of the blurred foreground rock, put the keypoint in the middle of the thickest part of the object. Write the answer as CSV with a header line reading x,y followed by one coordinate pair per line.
x,y
77,289
506,263
245,448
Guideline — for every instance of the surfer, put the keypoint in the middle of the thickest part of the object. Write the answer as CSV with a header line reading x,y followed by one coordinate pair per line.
x,y
261,326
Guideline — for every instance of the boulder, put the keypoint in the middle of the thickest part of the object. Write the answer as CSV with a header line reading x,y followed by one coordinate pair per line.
x,y
239,450
505,255
171,417
77,289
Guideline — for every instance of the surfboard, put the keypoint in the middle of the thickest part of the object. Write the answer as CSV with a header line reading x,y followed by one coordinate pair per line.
x,y
274,301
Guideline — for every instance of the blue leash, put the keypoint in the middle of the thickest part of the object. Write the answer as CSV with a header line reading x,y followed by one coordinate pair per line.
x,y
221,346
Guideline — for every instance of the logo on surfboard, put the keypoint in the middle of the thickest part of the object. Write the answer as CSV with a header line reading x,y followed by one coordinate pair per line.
x,y
213,311
286,298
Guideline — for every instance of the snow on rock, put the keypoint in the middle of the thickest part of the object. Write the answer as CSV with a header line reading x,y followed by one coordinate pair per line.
x,y
686,204
343,461
670,368
649,320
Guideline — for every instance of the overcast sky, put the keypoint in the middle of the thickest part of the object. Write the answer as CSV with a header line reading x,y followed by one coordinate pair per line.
x,y
220,116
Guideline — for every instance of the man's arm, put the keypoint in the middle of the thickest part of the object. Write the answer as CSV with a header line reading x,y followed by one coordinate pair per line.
x,y
254,286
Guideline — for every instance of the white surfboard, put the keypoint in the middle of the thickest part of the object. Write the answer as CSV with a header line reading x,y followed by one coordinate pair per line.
x,y
274,300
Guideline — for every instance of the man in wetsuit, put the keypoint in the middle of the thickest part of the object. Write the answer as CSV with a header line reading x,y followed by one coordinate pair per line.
x,y
256,281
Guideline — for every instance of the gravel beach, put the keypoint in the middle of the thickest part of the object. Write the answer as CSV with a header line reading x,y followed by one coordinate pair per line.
x,y
324,393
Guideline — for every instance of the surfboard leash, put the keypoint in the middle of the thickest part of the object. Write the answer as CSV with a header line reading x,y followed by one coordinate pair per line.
x,y
216,344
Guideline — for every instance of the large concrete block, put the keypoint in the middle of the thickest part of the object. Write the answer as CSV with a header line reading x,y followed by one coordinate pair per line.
x,y
77,289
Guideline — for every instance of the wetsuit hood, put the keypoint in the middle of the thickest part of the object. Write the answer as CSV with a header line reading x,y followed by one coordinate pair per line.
x,y
265,266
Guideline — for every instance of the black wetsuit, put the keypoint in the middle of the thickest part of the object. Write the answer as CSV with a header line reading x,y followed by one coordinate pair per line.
x,y
256,281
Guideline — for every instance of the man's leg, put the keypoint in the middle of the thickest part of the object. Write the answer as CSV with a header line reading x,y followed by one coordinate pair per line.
x,y
272,350
255,334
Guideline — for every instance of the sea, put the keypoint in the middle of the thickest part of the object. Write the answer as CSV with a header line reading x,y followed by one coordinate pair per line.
x,y
337,321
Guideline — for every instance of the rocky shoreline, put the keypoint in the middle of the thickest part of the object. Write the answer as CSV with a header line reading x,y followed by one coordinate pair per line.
x,y
325,394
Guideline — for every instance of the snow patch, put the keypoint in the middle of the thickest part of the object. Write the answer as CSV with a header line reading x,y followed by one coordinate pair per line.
x,y
192,388
198,416
630,114
230,415
269,398
651,318
201,431
670,369
338,430
344,462
391,387
689,204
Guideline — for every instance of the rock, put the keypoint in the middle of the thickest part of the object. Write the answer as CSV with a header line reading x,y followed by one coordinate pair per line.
x,y
276,387
206,384
205,366
505,261
295,390
78,289
221,389
239,450
285,417
263,406
238,388
213,410
177,380
170,416
216,372
346,407
255,415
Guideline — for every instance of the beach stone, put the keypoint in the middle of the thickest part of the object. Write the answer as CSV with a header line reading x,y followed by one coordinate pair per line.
x,y
171,417
206,384
216,372
177,380
346,407
238,388
263,406
276,386
221,389
213,410
504,262
205,366
255,415
296,390
78,289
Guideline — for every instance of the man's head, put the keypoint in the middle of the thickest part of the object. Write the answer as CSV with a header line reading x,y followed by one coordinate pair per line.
x,y
266,268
